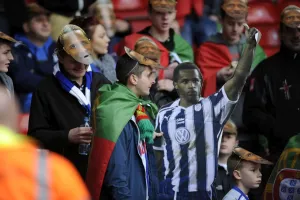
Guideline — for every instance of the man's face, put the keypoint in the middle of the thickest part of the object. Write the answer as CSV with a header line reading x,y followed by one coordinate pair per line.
x,y
232,29
250,174
228,143
291,38
40,27
162,21
189,85
75,70
145,81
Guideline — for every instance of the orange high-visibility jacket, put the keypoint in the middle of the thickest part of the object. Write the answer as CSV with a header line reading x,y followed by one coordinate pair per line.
x,y
29,173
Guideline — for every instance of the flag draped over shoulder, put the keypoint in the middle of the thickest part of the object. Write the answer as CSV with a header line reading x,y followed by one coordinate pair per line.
x,y
114,107
289,162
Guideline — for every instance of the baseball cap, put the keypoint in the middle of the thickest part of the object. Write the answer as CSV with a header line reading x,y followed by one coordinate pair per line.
x,y
235,8
290,16
130,60
163,5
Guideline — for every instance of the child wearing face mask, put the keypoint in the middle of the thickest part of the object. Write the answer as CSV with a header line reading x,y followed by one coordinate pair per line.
x,y
245,169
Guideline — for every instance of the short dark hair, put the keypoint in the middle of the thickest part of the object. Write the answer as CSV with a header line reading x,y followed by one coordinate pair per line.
x,y
185,66
234,163
87,23
127,66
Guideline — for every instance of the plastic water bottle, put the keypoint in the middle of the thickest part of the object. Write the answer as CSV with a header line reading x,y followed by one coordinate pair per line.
x,y
84,148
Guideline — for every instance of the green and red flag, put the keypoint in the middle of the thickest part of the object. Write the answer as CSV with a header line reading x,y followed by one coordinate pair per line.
x,y
114,107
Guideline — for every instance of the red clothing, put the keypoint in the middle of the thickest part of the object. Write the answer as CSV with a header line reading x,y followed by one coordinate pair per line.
x,y
211,57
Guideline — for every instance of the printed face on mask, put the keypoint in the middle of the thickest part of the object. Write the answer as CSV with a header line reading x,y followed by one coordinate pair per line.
x,y
77,45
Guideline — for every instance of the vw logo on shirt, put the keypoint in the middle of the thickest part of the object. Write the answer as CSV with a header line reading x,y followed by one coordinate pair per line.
x,y
182,135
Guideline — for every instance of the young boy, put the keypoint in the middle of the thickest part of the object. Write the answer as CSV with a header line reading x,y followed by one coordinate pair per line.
x,y
229,141
245,168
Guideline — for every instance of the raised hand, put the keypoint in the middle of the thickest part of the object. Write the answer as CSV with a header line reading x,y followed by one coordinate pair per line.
x,y
253,35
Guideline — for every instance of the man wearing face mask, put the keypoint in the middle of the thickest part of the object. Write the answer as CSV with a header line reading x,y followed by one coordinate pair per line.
x,y
62,103
272,104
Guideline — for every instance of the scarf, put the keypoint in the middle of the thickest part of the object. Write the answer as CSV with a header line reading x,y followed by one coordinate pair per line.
x,y
145,126
113,109
7,82
68,86
107,67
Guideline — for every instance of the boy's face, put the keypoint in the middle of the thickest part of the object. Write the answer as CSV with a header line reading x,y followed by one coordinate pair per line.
x,y
162,21
228,143
145,81
232,29
250,174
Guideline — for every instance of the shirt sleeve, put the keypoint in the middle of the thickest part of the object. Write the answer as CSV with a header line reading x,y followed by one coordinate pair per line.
x,y
220,105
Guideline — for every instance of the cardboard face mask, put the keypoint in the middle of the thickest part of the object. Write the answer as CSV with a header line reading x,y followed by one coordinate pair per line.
x,y
291,18
142,59
236,8
247,155
77,45
8,38
148,49
163,5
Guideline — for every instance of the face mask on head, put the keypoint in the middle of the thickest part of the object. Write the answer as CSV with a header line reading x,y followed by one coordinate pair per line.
x,y
291,18
76,44
235,8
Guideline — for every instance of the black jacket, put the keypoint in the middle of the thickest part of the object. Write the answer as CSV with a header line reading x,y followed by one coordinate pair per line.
x,y
224,182
54,112
272,104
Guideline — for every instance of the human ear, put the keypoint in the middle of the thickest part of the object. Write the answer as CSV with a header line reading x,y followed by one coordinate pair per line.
x,y
26,27
133,79
175,85
237,175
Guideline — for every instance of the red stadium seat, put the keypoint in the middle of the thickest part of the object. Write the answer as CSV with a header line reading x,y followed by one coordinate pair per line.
x,y
284,3
263,13
125,5
130,9
270,35
198,6
270,40
23,123
183,8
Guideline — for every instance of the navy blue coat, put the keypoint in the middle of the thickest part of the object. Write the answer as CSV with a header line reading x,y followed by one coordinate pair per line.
x,y
125,176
